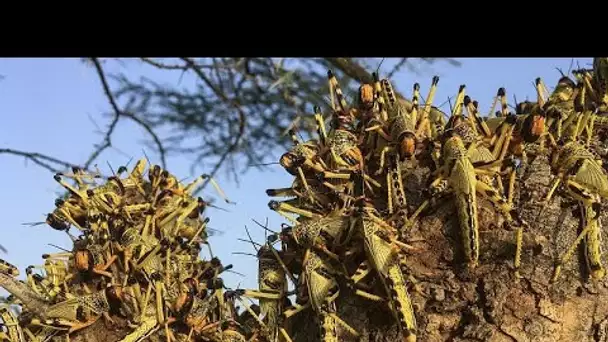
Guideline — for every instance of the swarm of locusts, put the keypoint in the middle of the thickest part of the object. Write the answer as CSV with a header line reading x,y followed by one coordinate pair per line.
x,y
136,260
347,210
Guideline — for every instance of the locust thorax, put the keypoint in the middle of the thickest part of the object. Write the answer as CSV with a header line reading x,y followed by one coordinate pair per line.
x,y
271,275
559,156
154,173
464,131
272,278
452,146
192,284
344,144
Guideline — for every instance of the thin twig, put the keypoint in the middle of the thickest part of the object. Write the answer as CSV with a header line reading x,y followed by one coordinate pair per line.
x,y
163,65
107,140
40,159
234,103
397,67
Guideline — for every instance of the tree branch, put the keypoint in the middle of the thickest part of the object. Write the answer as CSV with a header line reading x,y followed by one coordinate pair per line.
x,y
107,140
234,103
41,159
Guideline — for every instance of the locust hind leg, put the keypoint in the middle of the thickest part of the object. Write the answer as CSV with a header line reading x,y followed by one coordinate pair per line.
x,y
566,257
438,187
593,251
506,208
592,231
354,282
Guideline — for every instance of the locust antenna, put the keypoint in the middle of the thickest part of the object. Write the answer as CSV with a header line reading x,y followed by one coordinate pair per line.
x,y
514,102
445,102
33,224
450,102
111,169
209,248
251,240
300,135
129,162
379,65
235,272
216,207
265,231
60,248
264,227
147,158
248,241
262,164
244,253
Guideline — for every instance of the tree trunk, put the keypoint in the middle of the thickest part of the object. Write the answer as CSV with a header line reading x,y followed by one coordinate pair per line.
x,y
488,303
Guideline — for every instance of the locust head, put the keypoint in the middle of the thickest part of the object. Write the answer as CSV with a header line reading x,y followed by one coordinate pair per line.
x,y
366,96
407,145
291,161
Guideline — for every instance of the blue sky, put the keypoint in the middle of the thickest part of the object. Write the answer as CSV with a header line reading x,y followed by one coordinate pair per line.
x,y
46,105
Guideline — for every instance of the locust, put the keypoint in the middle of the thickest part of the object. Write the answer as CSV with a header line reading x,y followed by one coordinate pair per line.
x,y
74,313
271,294
321,233
383,254
319,279
461,177
585,181
14,332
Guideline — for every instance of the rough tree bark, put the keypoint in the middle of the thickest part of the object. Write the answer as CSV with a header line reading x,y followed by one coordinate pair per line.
x,y
489,303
